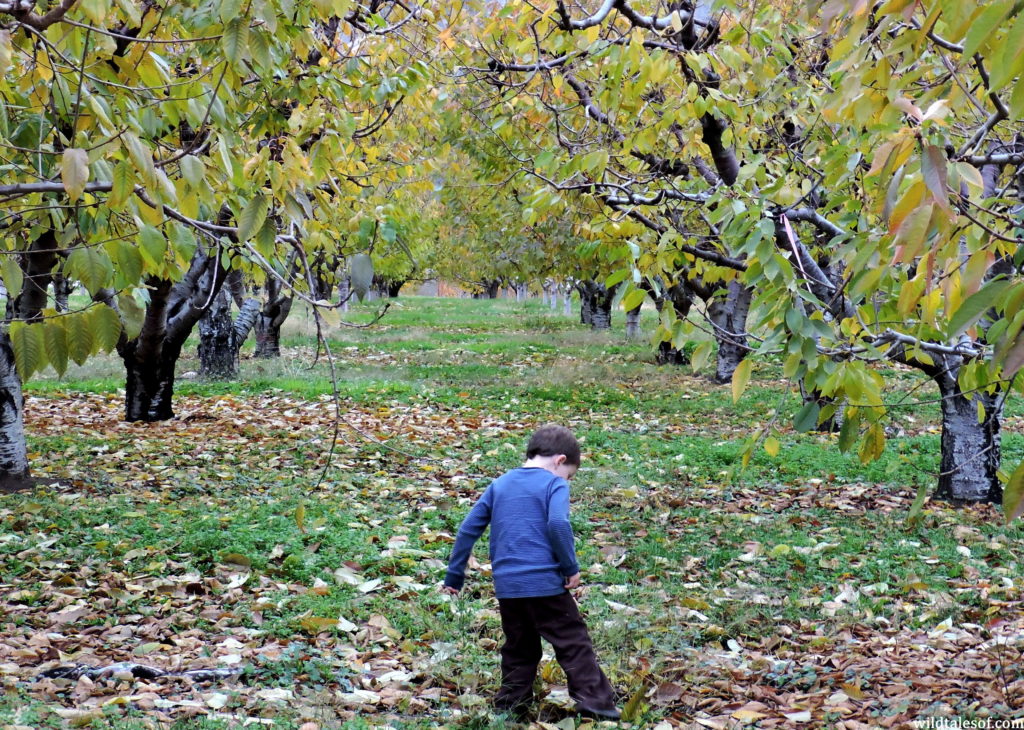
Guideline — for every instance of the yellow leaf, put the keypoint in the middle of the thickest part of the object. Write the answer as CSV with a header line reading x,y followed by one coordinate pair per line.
x,y
74,172
740,378
748,715
771,445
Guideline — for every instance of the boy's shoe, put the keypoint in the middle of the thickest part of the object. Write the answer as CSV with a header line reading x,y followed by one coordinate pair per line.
x,y
519,713
609,713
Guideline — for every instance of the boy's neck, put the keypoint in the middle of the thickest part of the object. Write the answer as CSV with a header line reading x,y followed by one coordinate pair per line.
x,y
548,463
555,464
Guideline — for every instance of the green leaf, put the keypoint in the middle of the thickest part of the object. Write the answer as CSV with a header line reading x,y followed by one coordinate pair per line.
x,y
914,515
933,169
74,172
95,10
701,355
252,217
183,242
124,185
90,266
105,325
850,429
1013,494
79,335
1017,101
266,239
230,9
806,419
740,378
192,169
633,299
153,247
12,274
982,27
259,46
1012,64
1013,357
127,261
975,306
132,315
235,41
29,349
361,273
873,444
55,342
142,157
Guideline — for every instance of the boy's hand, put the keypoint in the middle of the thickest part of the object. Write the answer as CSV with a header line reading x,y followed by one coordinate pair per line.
x,y
573,581
449,590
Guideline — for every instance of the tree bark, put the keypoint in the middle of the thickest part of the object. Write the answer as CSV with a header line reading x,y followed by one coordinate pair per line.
x,y
173,310
728,314
149,388
221,337
218,358
62,287
586,305
970,450
13,449
680,297
633,323
596,304
344,292
37,264
275,311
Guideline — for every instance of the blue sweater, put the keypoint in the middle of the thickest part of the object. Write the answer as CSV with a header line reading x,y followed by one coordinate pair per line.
x,y
531,545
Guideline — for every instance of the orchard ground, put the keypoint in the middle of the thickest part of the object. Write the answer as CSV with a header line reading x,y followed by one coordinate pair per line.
x,y
258,533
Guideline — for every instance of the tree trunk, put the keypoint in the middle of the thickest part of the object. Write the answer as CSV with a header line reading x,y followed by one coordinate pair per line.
x,y
13,450
566,300
269,320
633,323
596,304
62,287
173,310
970,450
728,315
680,297
344,292
149,388
218,356
491,288
37,265
221,337
522,290
586,303
394,287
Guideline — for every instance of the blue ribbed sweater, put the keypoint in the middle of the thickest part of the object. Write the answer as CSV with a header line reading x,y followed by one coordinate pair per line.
x,y
531,544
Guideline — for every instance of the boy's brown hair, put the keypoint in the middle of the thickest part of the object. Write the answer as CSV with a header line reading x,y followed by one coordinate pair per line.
x,y
552,440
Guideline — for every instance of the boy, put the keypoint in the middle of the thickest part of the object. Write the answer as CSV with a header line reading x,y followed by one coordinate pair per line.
x,y
534,567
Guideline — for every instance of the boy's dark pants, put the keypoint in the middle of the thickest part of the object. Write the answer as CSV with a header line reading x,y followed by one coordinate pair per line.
x,y
557,619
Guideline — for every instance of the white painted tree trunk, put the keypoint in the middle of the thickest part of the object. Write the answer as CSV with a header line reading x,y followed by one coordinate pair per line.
x,y
13,451
970,446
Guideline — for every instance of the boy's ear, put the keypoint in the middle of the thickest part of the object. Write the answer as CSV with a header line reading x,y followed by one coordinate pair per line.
x,y
560,459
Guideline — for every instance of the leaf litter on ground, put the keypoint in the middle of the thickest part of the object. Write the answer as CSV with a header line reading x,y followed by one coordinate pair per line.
x,y
713,604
